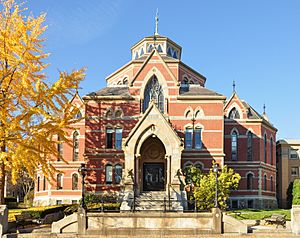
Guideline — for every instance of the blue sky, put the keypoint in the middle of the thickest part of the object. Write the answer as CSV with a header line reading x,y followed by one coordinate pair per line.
x,y
256,43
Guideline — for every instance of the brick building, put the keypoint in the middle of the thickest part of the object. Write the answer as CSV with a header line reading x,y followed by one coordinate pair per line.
x,y
288,164
155,117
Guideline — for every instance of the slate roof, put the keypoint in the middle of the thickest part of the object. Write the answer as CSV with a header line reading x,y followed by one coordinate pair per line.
x,y
196,90
111,91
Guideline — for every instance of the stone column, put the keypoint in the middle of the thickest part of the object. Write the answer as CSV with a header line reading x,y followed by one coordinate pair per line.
x,y
82,221
138,176
217,220
168,179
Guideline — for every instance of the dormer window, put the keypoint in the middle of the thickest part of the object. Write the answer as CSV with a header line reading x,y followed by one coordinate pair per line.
x,y
169,52
175,55
234,114
136,55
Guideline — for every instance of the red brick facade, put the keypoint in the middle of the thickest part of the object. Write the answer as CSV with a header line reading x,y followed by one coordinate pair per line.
x,y
153,123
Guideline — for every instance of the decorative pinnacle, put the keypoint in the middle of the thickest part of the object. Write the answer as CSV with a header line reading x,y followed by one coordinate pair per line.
x,y
264,108
233,86
156,23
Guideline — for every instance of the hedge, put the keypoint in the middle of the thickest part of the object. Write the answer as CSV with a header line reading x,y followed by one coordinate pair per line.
x,y
93,207
41,212
296,192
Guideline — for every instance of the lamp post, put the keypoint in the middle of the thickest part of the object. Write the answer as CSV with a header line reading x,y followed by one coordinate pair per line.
x,y
83,171
215,170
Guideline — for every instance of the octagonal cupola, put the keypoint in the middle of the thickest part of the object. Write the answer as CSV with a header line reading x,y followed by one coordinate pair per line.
x,y
163,45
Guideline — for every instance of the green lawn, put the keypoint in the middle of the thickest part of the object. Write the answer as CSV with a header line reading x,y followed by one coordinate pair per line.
x,y
252,214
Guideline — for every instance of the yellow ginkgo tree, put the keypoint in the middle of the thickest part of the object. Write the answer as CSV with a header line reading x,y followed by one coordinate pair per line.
x,y
32,110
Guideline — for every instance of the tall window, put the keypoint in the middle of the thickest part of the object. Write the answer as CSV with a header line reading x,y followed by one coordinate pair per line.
x,y
154,91
271,184
59,182
250,146
60,147
271,150
118,174
189,138
249,181
198,141
265,182
234,145
44,183
234,114
75,145
38,184
118,141
75,182
108,174
265,148
109,138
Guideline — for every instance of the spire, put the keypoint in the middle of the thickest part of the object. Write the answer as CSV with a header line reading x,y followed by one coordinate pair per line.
x,y
264,107
156,23
233,86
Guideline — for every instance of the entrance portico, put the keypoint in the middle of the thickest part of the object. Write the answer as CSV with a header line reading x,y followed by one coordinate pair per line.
x,y
153,154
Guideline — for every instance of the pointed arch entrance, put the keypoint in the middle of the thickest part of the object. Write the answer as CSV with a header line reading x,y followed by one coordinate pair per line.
x,y
152,165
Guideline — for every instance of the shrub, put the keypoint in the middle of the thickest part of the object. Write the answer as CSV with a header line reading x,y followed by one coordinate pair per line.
x,y
41,212
99,198
11,202
296,192
289,195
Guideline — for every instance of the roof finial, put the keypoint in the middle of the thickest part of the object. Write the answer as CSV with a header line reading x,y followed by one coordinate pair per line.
x,y
156,23
264,108
233,86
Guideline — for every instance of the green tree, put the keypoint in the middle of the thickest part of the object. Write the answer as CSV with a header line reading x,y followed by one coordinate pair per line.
x,y
296,192
32,110
205,188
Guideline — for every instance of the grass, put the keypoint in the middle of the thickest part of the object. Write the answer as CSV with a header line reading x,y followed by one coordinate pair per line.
x,y
253,214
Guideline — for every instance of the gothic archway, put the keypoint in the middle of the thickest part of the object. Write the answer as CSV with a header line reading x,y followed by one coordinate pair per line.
x,y
152,165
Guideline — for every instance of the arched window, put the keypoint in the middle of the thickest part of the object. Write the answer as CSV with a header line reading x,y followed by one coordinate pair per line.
x,y
198,138
198,114
109,138
188,114
74,181
150,48
136,55
249,181
38,184
109,113
159,49
185,81
44,183
118,139
234,114
59,148
125,81
169,52
265,148
154,91
175,54
118,114
271,184
78,115
265,182
234,145
271,150
250,146
75,145
188,138
199,165
59,181
118,174
142,52
108,174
